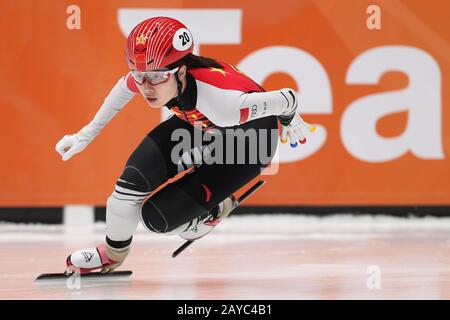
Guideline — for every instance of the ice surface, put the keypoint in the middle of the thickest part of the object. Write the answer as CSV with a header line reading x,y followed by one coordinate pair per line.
x,y
245,257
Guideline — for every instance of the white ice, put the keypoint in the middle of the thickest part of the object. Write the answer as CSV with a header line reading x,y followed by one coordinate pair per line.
x,y
245,257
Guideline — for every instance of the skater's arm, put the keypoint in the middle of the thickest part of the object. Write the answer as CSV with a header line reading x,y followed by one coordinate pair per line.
x,y
124,90
237,107
282,103
120,95
233,108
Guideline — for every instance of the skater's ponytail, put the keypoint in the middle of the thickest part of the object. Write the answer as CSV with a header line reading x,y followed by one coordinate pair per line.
x,y
192,61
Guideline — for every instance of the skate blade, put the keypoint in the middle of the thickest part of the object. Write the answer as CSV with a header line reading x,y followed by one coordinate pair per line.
x,y
91,275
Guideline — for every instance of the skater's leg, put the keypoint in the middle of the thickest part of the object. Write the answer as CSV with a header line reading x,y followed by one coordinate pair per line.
x,y
201,190
148,167
134,185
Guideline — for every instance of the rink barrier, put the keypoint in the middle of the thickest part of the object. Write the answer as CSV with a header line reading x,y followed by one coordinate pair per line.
x,y
89,214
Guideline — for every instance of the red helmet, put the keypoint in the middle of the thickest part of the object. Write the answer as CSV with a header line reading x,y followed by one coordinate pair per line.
x,y
156,43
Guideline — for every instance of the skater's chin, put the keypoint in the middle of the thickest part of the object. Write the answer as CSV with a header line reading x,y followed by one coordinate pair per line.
x,y
154,102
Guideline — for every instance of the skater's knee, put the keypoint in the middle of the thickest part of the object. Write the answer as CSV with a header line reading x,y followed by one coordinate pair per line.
x,y
169,209
133,179
146,168
131,189
121,205
154,219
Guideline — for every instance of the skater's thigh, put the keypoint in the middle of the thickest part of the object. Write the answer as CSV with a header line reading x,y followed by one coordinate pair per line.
x,y
210,184
194,195
213,181
151,163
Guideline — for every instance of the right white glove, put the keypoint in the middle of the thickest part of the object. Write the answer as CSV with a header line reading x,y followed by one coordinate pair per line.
x,y
294,132
72,144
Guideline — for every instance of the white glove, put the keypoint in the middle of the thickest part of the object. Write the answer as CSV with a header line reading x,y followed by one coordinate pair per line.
x,y
72,144
293,131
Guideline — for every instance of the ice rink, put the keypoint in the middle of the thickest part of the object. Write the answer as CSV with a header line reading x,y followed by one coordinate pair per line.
x,y
245,257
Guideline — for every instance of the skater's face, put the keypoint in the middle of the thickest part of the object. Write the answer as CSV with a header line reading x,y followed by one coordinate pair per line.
x,y
159,88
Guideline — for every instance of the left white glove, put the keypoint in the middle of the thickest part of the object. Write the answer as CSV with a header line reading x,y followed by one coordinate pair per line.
x,y
70,145
293,131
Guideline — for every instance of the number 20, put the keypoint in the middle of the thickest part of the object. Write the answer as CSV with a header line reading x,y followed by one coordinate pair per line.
x,y
184,38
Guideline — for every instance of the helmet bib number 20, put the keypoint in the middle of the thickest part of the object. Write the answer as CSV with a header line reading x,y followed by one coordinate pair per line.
x,y
182,40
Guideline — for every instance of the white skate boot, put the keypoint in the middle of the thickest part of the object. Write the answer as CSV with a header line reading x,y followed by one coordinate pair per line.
x,y
86,260
203,225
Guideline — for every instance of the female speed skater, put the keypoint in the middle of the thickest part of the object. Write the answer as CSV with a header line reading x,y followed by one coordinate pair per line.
x,y
207,98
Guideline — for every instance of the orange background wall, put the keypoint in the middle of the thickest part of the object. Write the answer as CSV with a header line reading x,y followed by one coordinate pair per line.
x,y
53,81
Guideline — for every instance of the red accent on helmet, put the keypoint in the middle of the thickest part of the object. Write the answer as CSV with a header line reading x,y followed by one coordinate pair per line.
x,y
150,45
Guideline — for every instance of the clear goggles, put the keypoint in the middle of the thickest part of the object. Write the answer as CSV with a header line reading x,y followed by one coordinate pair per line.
x,y
153,77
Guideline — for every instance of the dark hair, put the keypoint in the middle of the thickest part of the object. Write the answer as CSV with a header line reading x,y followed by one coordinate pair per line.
x,y
192,61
